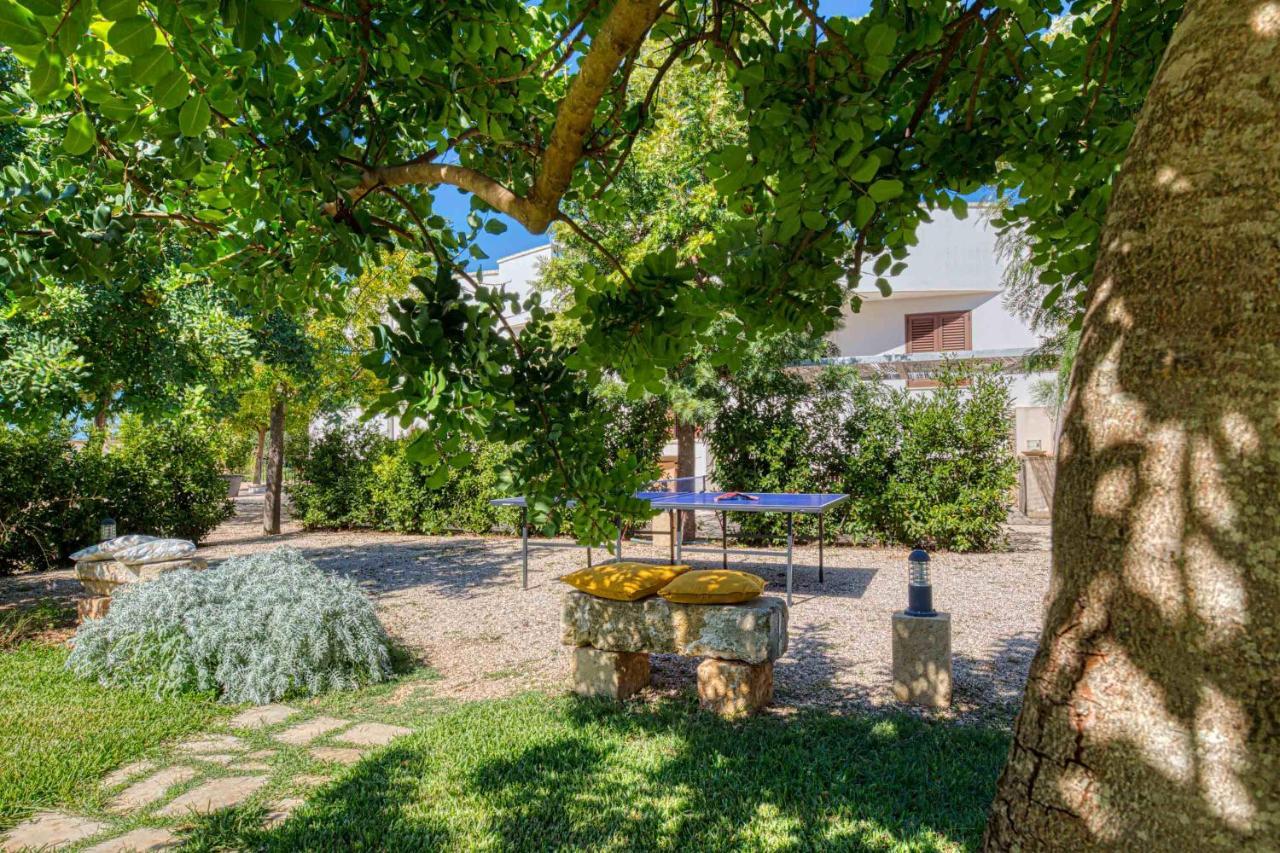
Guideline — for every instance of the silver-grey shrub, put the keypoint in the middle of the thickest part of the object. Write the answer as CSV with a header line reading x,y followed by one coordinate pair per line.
x,y
254,629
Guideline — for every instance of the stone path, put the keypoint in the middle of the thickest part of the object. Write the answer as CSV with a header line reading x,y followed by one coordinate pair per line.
x,y
256,762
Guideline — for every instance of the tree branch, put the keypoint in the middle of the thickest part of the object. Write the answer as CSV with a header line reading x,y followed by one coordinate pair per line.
x,y
625,26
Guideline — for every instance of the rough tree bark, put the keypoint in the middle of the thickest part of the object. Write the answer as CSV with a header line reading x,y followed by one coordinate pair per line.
x,y
275,471
686,466
1151,718
257,457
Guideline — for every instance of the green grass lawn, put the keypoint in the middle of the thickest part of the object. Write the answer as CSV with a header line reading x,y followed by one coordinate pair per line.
x,y
529,773
59,735
536,773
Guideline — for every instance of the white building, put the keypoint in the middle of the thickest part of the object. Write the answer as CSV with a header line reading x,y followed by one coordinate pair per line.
x,y
947,305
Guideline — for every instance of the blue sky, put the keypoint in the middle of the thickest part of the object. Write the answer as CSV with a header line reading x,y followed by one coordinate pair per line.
x,y
455,205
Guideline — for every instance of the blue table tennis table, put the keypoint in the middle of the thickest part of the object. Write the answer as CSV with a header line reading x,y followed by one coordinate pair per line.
x,y
690,494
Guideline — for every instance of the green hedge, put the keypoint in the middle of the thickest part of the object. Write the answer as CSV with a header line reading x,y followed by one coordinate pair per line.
x,y
931,469
352,477
161,478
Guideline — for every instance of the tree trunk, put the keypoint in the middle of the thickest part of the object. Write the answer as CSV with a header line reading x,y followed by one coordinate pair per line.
x,y
275,471
257,458
686,466
1151,718
100,419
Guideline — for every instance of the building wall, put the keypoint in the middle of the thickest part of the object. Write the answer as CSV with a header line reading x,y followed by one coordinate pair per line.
x,y
516,274
879,328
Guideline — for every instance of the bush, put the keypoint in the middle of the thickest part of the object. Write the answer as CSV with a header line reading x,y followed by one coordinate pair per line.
x,y
332,478
165,478
255,629
352,477
42,507
162,479
934,470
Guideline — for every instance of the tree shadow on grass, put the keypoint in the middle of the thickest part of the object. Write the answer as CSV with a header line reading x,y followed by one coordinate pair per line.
x,y
533,774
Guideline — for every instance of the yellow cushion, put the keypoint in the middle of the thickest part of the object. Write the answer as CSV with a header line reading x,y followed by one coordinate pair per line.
x,y
623,581
716,586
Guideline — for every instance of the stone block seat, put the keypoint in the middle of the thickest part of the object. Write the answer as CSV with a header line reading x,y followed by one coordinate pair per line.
x,y
739,643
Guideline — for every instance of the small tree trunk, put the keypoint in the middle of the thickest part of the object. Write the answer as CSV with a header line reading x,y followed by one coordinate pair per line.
x,y
1150,717
257,459
686,466
100,419
275,471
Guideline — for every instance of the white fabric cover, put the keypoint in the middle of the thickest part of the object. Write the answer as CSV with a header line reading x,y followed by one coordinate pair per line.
x,y
156,551
108,550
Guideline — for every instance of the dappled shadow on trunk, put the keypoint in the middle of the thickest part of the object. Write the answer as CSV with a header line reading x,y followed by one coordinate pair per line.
x,y
584,775
1151,712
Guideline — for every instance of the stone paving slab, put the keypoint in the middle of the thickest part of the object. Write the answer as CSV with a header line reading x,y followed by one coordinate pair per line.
x,y
336,754
50,830
211,743
150,789
372,734
251,767
262,716
304,733
124,774
215,758
310,780
279,812
142,840
214,795
260,754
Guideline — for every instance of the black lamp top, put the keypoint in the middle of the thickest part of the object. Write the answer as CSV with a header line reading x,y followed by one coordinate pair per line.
x,y
919,555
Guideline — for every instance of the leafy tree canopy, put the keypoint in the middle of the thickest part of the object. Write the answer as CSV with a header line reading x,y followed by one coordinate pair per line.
x,y
287,141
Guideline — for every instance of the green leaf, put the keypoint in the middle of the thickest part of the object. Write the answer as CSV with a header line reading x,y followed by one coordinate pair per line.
x,y
44,8
495,226
865,209
195,115
882,264
116,10
885,190
46,79
880,40
171,90
152,64
882,284
132,36
276,10
80,135
867,170
20,27
813,220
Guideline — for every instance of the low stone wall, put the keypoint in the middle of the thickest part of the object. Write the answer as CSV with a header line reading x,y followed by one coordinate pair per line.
x,y
615,638
101,578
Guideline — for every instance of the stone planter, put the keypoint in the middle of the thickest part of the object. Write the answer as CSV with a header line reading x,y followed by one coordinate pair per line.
x,y
233,484
101,578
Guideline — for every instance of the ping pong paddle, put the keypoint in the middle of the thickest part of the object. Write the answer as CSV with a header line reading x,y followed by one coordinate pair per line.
x,y
736,496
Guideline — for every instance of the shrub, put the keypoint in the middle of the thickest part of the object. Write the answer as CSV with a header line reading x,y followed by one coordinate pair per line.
x,y
332,478
165,478
162,479
254,629
41,505
922,469
402,501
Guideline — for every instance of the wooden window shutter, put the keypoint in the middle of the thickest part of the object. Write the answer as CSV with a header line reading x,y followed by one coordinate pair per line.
x,y
922,333
953,332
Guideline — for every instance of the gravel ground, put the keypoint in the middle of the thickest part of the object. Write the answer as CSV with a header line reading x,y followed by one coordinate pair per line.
x,y
456,603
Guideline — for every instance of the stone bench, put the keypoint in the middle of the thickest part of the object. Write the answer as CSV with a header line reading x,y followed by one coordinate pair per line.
x,y
613,641
101,578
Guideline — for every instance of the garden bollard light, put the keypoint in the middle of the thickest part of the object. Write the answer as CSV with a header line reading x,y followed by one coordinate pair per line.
x,y
921,642
919,585
106,529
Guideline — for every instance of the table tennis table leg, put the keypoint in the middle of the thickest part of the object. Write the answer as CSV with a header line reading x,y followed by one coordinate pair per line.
x,y
724,539
678,533
524,545
671,536
790,538
820,517
588,556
